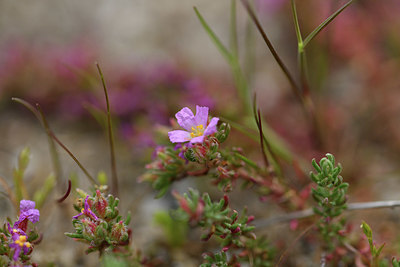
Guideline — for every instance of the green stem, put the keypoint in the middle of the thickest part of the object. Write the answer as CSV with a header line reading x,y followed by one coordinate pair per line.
x,y
294,86
114,176
233,30
296,23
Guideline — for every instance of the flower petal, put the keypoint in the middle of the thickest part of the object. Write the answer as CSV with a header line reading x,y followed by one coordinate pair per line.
x,y
198,139
26,250
77,216
16,253
179,136
185,118
33,215
212,127
201,116
25,205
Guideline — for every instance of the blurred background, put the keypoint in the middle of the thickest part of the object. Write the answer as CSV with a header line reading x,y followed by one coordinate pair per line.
x,y
156,59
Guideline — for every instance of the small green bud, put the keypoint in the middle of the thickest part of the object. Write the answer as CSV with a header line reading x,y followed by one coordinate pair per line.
x,y
190,155
223,132
102,178
23,160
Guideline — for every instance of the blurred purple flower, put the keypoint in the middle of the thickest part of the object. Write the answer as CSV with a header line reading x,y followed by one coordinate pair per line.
x,y
195,125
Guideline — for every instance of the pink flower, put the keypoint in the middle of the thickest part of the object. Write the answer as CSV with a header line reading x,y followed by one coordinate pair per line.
x,y
196,126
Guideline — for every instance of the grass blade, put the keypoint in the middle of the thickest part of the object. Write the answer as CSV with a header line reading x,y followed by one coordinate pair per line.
x,y
224,51
325,23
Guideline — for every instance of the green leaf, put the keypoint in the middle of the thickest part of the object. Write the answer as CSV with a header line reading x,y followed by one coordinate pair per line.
x,y
128,218
247,161
73,235
40,196
325,23
379,250
224,51
315,165
368,233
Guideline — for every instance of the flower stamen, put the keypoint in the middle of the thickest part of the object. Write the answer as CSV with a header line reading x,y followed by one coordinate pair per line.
x,y
198,131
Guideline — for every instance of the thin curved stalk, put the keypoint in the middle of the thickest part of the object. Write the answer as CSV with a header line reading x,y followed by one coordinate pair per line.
x,y
40,115
114,175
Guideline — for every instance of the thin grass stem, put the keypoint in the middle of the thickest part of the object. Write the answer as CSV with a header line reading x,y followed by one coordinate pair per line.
x,y
9,192
40,115
114,176
50,132
294,86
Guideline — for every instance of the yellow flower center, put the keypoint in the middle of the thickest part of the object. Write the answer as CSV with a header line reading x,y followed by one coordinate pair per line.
x,y
21,241
198,131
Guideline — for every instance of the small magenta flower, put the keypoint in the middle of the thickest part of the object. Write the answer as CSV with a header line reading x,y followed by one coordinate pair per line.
x,y
87,211
195,125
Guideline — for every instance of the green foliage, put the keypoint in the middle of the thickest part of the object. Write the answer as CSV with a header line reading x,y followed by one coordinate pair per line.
x,y
233,61
99,223
20,188
375,251
330,192
218,260
223,132
258,251
41,195
167,167
216,219
330,195
225,165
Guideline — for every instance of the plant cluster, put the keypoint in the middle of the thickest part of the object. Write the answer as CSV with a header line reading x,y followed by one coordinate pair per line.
x,y
17,242
196,146
99,224
330,194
